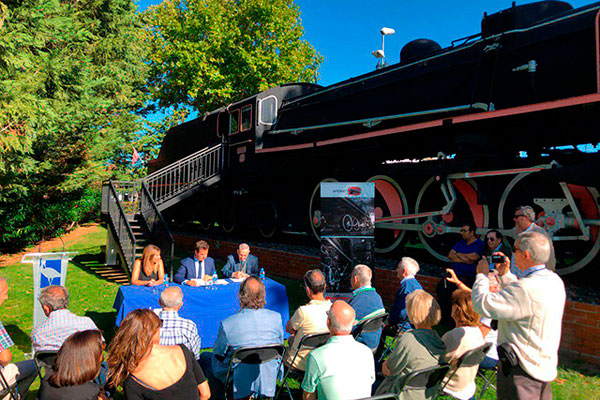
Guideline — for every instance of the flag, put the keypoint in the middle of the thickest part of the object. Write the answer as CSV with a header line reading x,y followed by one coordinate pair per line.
x,y
135,157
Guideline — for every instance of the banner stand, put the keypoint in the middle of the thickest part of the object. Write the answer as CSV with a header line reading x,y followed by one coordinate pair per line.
x,y
48,269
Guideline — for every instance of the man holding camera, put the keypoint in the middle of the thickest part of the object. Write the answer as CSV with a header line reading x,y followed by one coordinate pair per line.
x,y
529,320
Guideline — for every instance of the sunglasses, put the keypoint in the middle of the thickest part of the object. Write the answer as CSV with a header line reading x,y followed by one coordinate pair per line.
x,y
491,239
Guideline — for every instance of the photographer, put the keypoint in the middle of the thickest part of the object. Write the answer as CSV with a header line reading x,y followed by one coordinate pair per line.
x,y
529,321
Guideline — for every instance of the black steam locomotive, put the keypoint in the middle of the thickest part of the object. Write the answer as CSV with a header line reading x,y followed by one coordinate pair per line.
x,y
448,135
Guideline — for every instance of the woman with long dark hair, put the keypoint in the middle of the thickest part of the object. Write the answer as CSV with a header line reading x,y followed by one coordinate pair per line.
x,y
77,365
148,370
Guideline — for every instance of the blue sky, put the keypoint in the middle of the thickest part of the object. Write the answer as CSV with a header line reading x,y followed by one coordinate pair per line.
x,y
346,32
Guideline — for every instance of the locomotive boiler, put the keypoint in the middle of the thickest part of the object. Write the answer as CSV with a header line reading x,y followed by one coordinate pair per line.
x,y
448,135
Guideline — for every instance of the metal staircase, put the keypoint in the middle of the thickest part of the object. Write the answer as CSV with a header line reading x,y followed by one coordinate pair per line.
x,y
132,210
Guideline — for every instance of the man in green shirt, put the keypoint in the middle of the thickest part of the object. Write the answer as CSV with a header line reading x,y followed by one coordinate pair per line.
x,y
342,368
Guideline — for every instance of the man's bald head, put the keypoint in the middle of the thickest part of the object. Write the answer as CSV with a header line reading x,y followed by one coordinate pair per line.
x,y
171,298
340,318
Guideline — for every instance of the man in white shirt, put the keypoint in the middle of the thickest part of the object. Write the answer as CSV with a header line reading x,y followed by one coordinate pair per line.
x,y
529,311
309,318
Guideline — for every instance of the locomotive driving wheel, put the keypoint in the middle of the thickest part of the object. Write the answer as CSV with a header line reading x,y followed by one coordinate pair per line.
x,y
314,209
574,246
390,201
439,233
267,219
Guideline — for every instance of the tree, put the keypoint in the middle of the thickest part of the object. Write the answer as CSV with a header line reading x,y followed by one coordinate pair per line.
x,y
72,77
207,53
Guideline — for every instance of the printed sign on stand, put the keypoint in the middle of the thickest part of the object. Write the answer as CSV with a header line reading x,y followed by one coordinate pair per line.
x,y
48,269
347,230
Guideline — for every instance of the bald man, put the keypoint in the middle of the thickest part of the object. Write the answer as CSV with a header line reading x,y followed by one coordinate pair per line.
x,y
177,330
342,368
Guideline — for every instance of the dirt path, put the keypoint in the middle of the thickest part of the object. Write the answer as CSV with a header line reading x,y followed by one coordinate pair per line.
x,y
49,245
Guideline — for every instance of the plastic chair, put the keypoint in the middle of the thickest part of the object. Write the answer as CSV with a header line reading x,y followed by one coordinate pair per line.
x,y
45,359
7,389
253,355
369,325
425,379
470,358
387,348
488,382
310,341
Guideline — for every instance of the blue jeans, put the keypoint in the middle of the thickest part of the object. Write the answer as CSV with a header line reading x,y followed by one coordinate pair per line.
x,y
488,363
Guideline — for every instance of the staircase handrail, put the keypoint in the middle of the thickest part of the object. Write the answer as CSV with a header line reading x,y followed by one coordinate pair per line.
x,y
121,220
178,163
163,223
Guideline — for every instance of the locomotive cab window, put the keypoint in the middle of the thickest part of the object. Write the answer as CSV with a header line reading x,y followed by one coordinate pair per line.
x,y
234,122
246,117
267,111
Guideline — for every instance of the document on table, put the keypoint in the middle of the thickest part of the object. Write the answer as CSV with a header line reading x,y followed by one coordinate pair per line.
x,y
202,282
238,280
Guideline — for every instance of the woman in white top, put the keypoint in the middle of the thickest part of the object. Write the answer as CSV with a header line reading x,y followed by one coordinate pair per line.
x,y
466,336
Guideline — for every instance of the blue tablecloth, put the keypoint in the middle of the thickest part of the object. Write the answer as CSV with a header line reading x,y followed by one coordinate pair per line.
x,y
206,307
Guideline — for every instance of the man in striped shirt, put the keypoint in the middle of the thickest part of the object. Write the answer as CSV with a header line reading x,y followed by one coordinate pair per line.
x,y
61,322
177,330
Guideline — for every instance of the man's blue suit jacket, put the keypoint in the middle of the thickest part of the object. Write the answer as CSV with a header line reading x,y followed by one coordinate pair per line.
x,y
233,265
187,269
248,327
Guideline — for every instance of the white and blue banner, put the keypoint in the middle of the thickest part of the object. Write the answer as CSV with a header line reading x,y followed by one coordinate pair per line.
x,y
48,269
347,230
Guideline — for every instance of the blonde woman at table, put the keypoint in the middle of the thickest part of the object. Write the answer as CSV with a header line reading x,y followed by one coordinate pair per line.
x,y
148,370
148,270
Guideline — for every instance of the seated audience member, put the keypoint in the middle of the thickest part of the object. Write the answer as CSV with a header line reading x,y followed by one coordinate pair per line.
x,y
529,311
61,322
419,348
397,321
148,370
148,270
524,218
242,264
177,330
198,267
485,324
466,336
253,325
342,368
309,318
23,372
490,335
76,367
366,302
464,257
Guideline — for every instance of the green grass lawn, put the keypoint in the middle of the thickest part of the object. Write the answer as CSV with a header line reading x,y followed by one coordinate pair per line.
x,y
93,296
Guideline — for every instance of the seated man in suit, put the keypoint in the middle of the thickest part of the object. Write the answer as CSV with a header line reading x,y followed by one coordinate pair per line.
x,y
251,326
241,265
198,267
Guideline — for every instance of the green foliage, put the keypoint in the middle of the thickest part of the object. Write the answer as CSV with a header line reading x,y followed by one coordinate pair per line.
x,y
207,53
71,78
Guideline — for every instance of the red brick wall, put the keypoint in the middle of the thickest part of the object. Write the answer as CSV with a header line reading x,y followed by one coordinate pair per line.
x,y
581,321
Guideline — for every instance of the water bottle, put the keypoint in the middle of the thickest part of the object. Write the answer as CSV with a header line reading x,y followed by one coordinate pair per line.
x,y
166,280
262,275
214,279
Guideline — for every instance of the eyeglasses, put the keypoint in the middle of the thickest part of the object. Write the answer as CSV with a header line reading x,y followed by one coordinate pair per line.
x,y
491,239
516,216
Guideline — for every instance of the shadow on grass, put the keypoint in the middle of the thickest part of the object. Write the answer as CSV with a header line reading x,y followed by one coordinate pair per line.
x,y
21,339
94,264
105,321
